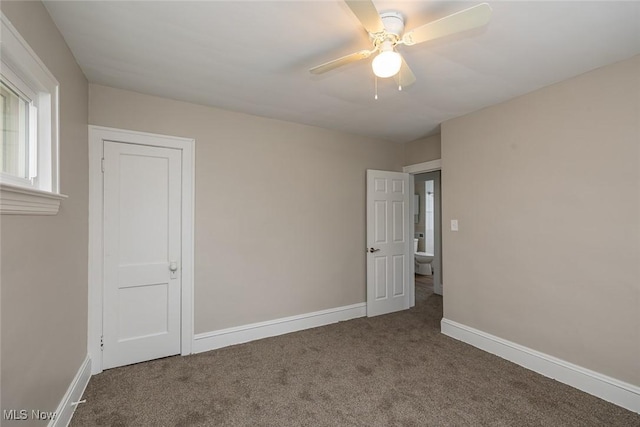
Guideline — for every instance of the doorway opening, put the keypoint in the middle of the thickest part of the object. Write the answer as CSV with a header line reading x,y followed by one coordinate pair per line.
x,y
419,173
427,233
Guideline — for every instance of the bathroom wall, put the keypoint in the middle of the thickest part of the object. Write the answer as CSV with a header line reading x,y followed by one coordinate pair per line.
x,y
43,276
428,217
546,189
280,207
420,225
422,150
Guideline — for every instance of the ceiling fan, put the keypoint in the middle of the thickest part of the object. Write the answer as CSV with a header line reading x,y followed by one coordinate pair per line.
x,y
386,31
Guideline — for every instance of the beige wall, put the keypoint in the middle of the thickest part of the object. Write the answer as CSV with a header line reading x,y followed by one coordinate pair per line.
x,y
422,150
44,259
280,207
546,188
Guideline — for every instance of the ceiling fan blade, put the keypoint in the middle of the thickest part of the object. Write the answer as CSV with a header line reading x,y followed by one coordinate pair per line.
x,y
328,66
367,13
466,19
404,77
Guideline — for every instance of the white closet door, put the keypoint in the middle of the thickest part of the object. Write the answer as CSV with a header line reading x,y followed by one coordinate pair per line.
x,y
142,279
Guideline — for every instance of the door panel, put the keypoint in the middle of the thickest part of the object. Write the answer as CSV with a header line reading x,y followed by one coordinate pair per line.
x,y
142,311
387,219
380,221
398,275
398,222
380,277
142,219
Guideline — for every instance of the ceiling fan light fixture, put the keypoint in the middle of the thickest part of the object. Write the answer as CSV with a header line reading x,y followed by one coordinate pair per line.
x,y
386,64
386,31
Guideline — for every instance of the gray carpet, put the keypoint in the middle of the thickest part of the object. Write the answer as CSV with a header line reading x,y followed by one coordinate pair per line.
x,y
393,370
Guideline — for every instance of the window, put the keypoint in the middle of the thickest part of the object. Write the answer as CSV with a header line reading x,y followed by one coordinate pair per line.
x,y
28,129
18,142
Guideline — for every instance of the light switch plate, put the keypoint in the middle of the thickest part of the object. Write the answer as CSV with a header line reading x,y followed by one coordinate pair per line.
x,y
454,225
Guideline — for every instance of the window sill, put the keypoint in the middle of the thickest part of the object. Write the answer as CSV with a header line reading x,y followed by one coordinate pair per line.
x,y
16,200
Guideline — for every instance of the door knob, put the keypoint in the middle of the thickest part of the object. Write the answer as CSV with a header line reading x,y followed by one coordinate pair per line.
x,y
372,250
173,267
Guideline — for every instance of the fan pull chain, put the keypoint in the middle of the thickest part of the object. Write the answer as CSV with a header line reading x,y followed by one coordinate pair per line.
x,y
400,79
375,79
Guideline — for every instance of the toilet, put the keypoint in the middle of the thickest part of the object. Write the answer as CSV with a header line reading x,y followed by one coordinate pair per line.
x,y
422,260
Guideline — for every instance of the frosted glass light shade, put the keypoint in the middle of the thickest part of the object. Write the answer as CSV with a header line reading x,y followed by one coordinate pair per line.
x,y
386,64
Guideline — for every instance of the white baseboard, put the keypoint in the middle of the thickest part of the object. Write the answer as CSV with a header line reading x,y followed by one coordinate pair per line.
x,y
255,331
607,388
74,393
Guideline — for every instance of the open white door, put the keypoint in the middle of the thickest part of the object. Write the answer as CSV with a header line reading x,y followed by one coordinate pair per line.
x,y
389,251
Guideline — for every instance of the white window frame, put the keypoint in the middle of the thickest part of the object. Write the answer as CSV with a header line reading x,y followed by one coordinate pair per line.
x,y
24,91
22,68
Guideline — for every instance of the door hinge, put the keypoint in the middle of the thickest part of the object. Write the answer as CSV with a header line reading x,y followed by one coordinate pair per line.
x,y
102,343
102,164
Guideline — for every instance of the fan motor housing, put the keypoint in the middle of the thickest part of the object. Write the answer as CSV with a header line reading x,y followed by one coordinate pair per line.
x,y
393,23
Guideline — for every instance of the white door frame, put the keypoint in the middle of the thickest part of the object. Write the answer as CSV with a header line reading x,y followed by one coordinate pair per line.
x,y
97,136
434,165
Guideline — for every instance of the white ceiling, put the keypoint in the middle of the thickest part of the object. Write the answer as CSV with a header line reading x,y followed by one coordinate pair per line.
x,y
254,56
